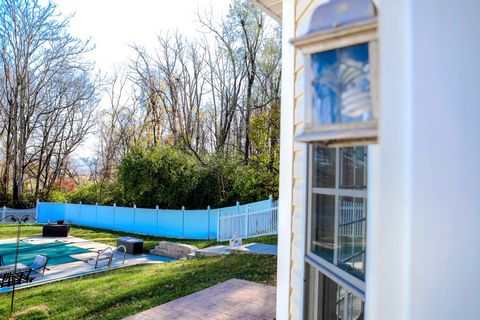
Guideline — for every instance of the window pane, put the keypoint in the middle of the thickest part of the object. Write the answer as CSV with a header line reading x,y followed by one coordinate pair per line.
x,y
338,303
356,307
332,304
324,167
347,168
341,86
323,226
360,168
353,163
352,235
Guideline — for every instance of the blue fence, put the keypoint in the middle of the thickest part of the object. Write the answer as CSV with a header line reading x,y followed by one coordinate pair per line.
x,y
188,224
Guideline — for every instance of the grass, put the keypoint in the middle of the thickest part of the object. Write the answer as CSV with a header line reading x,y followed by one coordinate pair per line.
x,y
123,292
110,237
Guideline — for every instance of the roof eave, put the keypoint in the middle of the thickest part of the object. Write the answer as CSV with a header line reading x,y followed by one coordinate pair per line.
x,y
260,5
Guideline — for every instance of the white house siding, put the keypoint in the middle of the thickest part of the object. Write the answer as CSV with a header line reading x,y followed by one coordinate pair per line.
x,y
303,10
423,220
424,257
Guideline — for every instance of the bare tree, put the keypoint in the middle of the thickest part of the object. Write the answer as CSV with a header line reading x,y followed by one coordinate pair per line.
x,y
47,95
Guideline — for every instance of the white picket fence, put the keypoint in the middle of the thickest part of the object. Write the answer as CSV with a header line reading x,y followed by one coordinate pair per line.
x,y
249,222
352,219
6,213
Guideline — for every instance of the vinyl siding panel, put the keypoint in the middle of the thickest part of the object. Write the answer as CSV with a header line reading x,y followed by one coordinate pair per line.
x,y
304,9
299,110
299,87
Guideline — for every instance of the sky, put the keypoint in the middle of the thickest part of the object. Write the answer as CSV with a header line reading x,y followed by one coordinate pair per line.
x,y
114,24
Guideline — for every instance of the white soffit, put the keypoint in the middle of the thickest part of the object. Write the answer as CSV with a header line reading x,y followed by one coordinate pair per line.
x,y
271,7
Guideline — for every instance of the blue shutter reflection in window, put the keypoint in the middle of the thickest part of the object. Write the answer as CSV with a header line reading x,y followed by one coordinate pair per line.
x,y
341,86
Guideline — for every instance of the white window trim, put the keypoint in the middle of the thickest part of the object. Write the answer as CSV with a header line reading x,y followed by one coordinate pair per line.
x,y
340,276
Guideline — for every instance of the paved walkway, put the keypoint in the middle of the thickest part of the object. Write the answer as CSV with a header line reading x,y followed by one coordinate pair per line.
x,y
250,248
255,248
232,299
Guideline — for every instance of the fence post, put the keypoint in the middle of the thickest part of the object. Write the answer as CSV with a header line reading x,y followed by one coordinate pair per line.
x,y
36,210
134,217
96,214
183,221
246,221
64,210
80,214
114,217
270,198
208,208
3,212
218,225
156,230
238,207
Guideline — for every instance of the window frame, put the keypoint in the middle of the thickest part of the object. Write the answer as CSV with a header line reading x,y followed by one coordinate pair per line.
x,y
329,269
361,33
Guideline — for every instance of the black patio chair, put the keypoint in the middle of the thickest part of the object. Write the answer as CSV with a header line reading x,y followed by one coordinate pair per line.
x,y
6,279
22,276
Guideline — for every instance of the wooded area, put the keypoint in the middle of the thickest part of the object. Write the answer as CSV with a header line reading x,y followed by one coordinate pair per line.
x,y
197,117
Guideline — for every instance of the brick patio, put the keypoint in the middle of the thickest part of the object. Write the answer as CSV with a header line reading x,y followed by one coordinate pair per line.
x,y
232,299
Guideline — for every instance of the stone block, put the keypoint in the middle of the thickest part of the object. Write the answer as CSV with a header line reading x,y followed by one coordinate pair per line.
x,y
173,249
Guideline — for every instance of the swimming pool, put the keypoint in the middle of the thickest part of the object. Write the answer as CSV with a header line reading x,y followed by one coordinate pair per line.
x,y
57,252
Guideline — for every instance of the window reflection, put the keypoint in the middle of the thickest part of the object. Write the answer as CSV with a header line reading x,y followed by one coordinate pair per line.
x,y
323,233
339,304
341,82
352,235
324,160
352,164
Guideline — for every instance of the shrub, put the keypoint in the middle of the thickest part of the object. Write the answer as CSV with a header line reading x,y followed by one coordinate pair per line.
x,y
57,196
253,183
105,193
161,176
215,183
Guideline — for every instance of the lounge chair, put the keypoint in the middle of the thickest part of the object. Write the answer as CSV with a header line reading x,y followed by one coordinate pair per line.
x,y
38,267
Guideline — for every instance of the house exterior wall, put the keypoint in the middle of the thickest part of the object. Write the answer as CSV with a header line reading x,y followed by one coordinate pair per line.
x,y
424,215
303,11
424,253
298,25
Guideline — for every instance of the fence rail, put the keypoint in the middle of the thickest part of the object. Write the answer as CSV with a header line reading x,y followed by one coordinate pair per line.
x,y
18,213
190,224
247,223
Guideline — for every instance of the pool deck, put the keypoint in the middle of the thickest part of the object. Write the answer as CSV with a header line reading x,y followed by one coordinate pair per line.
x,y
229,300
81,267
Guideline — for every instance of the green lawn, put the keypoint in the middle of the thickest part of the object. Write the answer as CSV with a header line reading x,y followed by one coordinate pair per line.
x,y
122,292
110,237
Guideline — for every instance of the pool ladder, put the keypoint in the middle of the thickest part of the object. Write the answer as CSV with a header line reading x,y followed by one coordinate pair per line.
x,y
107,254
